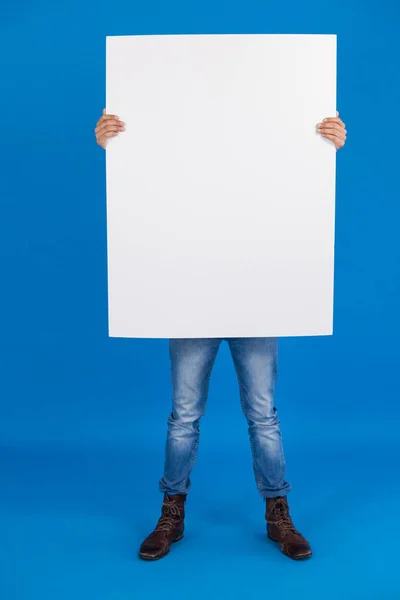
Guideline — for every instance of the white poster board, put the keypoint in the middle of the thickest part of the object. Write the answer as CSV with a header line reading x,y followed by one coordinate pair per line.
x,y
220,193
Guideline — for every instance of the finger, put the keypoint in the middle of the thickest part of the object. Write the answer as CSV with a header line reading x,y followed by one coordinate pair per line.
x,y
333,120
338,143
335,137
110,129
102,141
105,118
109,134
109,125
328,126
338,132
328,136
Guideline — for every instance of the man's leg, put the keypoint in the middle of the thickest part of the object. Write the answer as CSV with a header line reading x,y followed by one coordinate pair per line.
x,y
192,361
256,362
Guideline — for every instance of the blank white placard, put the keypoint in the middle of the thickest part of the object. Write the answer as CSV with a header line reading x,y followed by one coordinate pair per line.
x,y
220,193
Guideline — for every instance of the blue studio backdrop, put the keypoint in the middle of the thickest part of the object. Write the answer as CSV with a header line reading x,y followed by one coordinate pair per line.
x,y
83,417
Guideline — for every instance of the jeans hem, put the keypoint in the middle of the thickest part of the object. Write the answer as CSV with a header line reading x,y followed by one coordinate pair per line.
x,y
173,492
276,493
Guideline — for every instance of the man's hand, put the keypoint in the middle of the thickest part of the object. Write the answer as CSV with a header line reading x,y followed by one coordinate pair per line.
x,y
107,126
333,129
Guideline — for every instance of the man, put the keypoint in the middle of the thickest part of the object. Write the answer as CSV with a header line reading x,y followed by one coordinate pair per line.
x,y
255,361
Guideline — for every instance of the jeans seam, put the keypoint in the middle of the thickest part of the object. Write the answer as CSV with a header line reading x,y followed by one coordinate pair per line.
x,y
258,475
197,442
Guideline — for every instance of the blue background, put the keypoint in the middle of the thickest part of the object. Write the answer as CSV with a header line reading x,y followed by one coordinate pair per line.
x,y
83,417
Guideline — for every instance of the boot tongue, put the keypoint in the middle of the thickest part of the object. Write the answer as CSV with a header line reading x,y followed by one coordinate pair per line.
x,y
177,499
281,507
172,510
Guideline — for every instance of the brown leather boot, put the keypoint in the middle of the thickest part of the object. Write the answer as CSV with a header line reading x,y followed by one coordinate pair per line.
x,y
280,529
169,529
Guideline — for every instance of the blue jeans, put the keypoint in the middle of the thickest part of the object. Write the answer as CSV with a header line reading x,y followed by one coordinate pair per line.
x,y
255,361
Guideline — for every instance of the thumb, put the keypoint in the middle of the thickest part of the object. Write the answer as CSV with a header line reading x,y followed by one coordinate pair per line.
x,y
104,111
337,113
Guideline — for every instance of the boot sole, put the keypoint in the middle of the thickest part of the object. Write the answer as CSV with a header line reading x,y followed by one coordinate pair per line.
x,y
304,557
152,558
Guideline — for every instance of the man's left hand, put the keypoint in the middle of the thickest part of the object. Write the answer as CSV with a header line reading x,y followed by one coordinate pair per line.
x,y
333,129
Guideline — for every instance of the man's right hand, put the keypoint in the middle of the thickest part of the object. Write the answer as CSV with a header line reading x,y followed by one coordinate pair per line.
x,y
107,126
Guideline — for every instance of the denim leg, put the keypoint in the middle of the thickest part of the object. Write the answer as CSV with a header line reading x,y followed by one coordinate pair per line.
x,y
192,361
255,362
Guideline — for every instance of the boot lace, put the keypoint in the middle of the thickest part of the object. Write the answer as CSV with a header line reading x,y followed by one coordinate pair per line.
x,y
170,514
283,520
